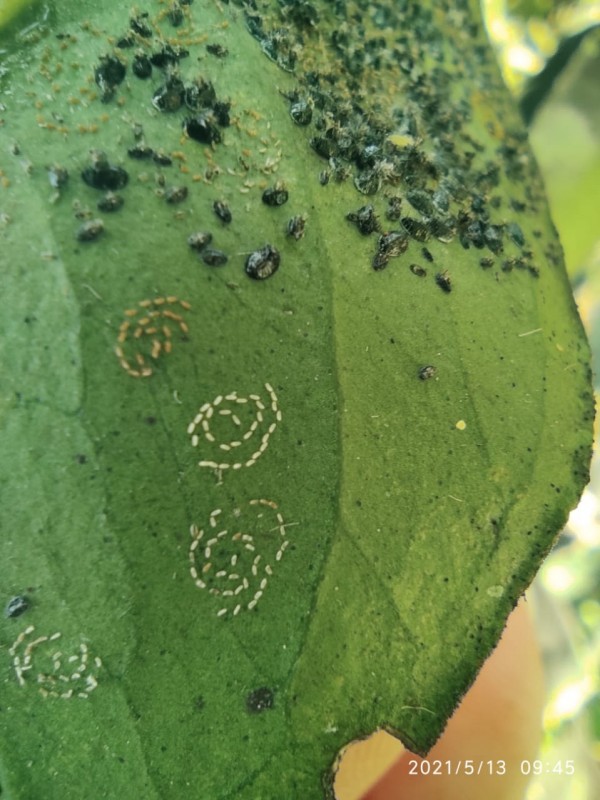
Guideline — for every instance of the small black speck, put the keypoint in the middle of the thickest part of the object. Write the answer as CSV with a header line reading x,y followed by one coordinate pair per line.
x,y
150,420
418,270
222,211
426,254
199,703
16,606
260,700
81,458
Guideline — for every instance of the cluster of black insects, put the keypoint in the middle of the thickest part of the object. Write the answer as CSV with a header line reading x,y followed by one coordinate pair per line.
x,y
206,116
418,150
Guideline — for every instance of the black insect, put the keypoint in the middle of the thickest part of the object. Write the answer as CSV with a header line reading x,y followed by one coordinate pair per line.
x,y
492,235
169,96
263,263
162,160
393,211
301,113
176,194
324,147
141,66
175,15
427,372
418,230
199,240
441,229
214,258
125,42
221,111
422,201
365,219
296,226
427,254
167,56
58,176
275,195
516,234
260,700
222,211
90,230
368,181
418,270
444,281
110,202
16,606
109,73
140,151
103,175
389,246
203,128
140,26
200,95
217,50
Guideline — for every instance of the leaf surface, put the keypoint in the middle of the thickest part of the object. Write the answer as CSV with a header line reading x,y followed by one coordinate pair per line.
x,y
348,559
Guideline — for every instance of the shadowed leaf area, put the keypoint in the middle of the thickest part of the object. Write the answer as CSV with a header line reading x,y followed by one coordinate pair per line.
x,y
294,396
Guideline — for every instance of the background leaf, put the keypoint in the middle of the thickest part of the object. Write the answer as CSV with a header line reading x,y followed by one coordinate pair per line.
x,y
416,511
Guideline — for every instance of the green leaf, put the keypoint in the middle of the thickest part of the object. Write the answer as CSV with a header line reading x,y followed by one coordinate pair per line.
x,y
398,513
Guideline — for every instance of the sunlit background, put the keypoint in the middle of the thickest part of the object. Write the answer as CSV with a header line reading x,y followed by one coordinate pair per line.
x,y
549,52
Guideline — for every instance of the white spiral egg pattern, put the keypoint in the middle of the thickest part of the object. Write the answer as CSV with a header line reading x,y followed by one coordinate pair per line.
x,y
253,420
228,557
39,661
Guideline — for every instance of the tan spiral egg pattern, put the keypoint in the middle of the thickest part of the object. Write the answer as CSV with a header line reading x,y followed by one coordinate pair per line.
x,y
147,333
